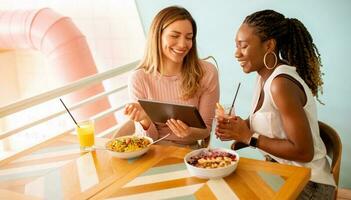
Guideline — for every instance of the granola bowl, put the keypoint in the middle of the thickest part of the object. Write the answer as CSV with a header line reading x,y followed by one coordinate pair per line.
x,y
211,163
127,147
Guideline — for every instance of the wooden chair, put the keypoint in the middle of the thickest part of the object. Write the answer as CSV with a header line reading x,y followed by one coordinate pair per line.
x,y
332,143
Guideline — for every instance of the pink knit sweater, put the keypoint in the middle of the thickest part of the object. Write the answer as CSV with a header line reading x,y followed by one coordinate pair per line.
x,y
168,89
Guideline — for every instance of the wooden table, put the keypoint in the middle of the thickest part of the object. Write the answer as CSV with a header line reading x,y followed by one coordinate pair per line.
x,y
57,170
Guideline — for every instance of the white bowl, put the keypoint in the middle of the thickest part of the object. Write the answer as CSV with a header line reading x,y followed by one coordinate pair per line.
x,y
211,173
130,154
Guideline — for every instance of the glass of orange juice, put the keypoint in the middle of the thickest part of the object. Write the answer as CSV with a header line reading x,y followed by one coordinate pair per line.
x,y
85,133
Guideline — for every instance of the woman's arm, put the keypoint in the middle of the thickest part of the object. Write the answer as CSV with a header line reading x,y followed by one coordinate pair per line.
x,y
290,100
136,91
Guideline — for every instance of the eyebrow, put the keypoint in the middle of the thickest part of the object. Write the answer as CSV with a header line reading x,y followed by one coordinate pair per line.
x,y
181,33
240,41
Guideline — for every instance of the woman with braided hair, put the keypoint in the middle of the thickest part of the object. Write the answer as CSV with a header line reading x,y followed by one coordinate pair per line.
x,y
283,121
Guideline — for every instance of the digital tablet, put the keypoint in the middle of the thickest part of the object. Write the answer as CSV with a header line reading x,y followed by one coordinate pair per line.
x,y
161,112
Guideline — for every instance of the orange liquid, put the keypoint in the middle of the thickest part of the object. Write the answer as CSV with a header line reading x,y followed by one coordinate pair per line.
x,y
86,135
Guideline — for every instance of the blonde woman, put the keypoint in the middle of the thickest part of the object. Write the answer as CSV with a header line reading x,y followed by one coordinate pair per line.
x,y
172,72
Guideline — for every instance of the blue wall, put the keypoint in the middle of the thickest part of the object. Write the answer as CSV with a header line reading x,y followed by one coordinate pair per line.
x,y
328,22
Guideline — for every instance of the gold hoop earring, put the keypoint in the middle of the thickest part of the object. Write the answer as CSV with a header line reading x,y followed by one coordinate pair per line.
x,y
264,60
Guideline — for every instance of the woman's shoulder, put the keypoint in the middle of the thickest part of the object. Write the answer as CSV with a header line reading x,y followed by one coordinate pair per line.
x,y
210,77
209,68
138,75
138,72
284,69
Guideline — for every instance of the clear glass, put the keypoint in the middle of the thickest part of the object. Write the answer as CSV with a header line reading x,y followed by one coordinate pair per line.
x,y
221,113
225,111
86,135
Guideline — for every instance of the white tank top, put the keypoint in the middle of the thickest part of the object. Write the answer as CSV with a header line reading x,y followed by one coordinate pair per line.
x,y
266,121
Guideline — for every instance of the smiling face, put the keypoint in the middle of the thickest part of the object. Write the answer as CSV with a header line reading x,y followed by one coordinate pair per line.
x,y
249,49
176,41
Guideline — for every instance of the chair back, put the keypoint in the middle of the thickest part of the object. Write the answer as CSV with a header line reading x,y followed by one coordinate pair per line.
x,y
333,145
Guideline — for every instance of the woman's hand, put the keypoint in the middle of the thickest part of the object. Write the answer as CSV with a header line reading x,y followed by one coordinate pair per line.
x,y
135,112
233,128
178,127
220,111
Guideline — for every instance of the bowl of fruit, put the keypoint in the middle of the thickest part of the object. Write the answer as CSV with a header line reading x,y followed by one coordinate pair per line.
x,y
127,147
210,163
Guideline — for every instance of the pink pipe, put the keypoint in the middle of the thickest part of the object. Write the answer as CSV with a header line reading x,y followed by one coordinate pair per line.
x,y
64,46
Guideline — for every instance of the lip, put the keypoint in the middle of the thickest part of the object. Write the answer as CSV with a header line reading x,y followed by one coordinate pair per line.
x,y
178,52
242,62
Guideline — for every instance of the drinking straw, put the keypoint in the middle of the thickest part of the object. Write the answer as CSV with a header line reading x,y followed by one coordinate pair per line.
x,y
69,113
236,93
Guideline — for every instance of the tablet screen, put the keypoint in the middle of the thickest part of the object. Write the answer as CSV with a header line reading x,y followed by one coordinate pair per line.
x,y
161,112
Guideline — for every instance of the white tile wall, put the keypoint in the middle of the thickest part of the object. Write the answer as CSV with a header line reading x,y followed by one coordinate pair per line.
x,y
113,31
110,26
8,74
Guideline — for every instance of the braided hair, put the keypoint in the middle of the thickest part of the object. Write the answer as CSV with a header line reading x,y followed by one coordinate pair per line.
x,y
294,44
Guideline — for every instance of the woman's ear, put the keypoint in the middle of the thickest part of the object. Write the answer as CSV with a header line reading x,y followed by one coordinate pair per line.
x,y
271,45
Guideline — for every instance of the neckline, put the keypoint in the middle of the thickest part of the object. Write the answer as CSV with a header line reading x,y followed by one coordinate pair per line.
x,y
171,77
274,71
262,84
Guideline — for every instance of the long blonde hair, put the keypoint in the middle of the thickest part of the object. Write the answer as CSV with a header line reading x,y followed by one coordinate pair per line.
x,y
192,72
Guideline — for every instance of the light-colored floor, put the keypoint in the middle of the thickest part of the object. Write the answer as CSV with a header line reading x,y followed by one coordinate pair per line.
x,y
344,194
